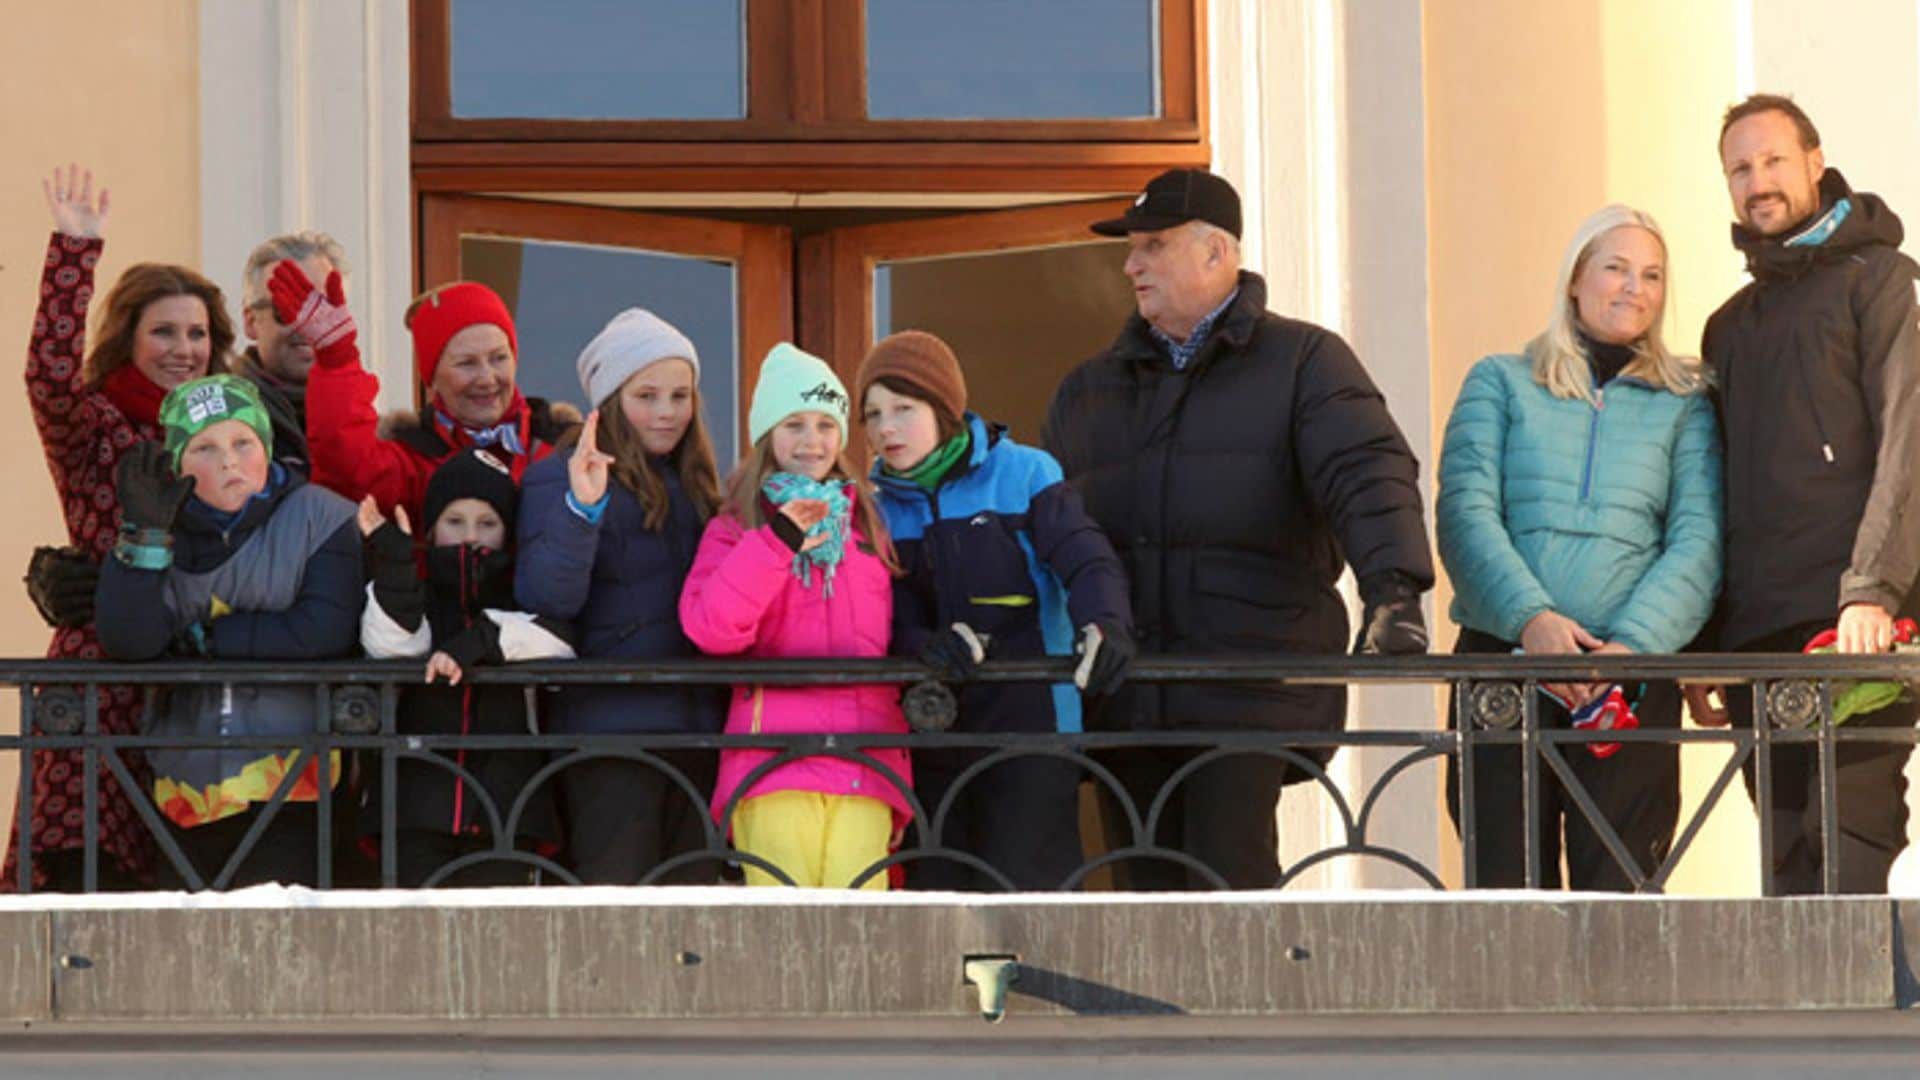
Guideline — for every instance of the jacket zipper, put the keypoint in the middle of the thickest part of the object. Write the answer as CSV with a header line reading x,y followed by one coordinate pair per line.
x,y
1813,406
1593,439
932,554
466,706
759,702
226,689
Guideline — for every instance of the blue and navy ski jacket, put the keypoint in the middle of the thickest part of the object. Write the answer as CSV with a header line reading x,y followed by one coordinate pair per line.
x,y
1004,545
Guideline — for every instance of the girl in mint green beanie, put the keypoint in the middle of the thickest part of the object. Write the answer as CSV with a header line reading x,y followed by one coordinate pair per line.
x,y
797,563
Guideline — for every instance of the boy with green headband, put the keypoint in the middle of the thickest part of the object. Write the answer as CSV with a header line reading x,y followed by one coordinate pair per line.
x,y
224,553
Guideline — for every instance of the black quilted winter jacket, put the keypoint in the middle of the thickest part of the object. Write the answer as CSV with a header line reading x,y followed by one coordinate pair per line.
x,y
1233,491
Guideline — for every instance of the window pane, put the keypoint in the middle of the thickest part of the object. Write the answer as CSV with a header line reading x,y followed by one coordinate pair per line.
x,y
1051,308
599,59
561,295
1012,59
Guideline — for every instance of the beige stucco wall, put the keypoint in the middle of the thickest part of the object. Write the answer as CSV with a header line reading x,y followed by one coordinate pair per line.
x,y
111,84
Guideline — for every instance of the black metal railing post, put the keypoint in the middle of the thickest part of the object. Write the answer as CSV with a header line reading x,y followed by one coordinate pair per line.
x,y
23,804
1762,720
1530,780
323,786
1830,854
1466,732
389,785
90,794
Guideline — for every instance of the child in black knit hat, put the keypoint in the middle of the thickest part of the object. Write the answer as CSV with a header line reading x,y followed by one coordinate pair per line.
x,y
461,614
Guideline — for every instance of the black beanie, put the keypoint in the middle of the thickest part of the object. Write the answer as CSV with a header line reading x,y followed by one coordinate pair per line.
x,y
472,474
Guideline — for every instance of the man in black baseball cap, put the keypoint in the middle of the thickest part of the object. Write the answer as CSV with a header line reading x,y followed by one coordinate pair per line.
x,y
1237,460
1176,197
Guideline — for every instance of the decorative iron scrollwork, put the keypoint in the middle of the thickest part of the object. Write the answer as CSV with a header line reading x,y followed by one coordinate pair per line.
x,y
356,710
1794,703
929,706
1495,704
59,710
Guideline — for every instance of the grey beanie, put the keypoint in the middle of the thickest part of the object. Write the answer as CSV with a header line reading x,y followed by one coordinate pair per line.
x,y
635,339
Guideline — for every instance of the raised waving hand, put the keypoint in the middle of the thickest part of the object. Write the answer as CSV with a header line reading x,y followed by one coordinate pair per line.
x,y
70,199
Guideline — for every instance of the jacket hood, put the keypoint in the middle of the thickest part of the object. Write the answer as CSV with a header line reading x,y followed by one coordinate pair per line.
x,y
1850,221
986,435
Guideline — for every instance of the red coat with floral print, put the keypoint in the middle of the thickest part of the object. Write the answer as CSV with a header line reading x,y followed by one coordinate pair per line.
x,y
83,433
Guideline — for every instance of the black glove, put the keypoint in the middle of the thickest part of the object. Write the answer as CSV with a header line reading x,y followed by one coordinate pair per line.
x,y
1394,624
392,553
477,644
1106,651
150,495
397,587
60,582
955,652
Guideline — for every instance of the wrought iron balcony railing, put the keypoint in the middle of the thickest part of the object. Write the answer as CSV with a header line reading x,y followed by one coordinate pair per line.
x,y
357,703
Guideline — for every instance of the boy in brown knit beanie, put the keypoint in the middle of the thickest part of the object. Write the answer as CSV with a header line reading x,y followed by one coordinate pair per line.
x,y
971,513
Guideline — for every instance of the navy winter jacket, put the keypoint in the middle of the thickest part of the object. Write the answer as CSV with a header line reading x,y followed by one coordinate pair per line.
x,y
322,623
618,584
1609,516
1005,546
284,576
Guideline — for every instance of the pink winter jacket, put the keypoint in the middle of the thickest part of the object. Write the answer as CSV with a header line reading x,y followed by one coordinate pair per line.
x,y
742,599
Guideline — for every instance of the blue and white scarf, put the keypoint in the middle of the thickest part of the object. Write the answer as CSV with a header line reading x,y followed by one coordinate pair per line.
x,y
1821,228
784,487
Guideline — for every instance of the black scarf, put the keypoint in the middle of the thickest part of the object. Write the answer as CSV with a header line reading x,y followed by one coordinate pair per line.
x,y
462,581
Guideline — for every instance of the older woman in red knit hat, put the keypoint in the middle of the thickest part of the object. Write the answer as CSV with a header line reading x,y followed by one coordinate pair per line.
x,y
464,351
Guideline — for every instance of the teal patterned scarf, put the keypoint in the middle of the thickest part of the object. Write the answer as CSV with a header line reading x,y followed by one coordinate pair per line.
x,y
784,487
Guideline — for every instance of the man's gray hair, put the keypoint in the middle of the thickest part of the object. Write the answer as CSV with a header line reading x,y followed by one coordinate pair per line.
x,y
1202,230
298,246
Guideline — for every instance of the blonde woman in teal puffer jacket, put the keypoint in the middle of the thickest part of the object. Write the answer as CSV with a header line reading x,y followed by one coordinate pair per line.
x,y
1580,512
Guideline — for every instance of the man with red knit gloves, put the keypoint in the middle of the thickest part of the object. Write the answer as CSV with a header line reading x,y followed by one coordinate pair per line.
x,y
465,352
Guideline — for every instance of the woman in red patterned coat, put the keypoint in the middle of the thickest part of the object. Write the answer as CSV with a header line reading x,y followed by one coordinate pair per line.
x,y
163,326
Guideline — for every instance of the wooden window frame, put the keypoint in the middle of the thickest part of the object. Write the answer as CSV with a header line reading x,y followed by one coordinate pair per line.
x,y
837,266
806,128
801,86
761,254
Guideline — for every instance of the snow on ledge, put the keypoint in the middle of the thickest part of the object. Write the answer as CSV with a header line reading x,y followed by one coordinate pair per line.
x,y
285,897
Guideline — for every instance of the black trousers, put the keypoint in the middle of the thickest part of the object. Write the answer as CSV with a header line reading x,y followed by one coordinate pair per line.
x,y
66,872
1021,816
421,853
626,817
287,852
1636,790
1870,790
1221,815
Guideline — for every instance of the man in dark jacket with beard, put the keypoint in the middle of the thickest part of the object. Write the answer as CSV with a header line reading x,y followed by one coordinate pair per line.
x,y
1235,459
1817,364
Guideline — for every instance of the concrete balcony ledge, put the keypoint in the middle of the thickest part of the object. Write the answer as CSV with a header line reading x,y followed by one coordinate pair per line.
x,y
529,958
